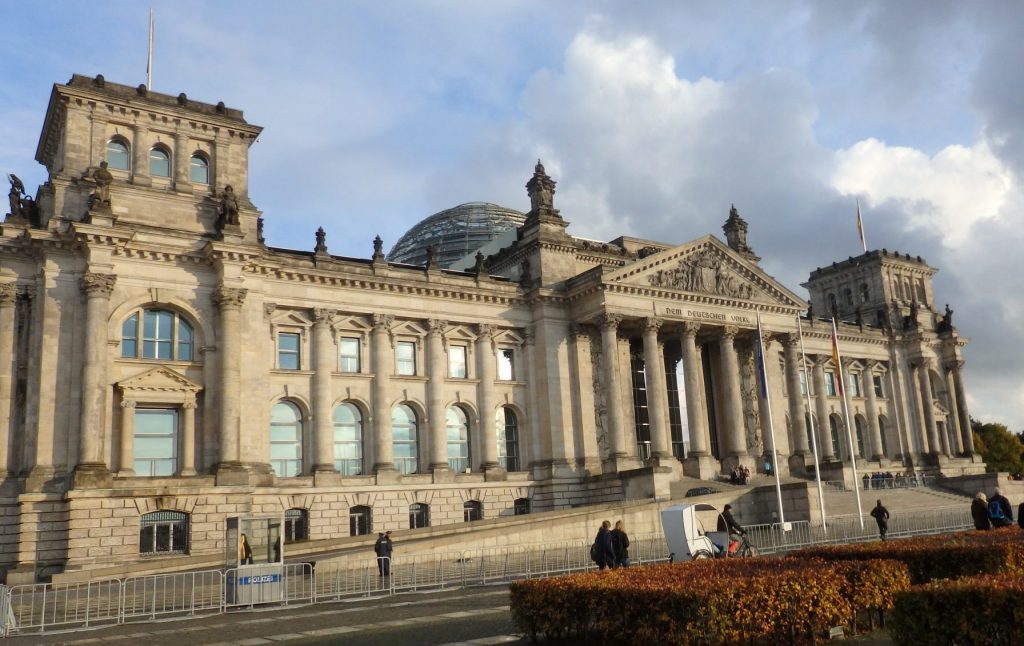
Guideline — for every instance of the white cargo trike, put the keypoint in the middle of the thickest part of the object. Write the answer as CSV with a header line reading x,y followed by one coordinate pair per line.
x,y
691,532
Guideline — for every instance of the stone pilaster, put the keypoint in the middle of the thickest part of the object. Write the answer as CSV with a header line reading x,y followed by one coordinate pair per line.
x,y
437,369
486,368
871,407
821,410
798,425
182,159
229,301
733,409
8,296
127,460
928,405
612,387
325,361
140,156
699,462
92,471
654,369
383,363
964,417
187,464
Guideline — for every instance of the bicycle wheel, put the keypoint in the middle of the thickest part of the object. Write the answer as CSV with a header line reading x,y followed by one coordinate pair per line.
x,y
749,549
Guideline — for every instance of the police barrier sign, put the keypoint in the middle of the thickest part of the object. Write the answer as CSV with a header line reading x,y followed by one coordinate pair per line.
x,y
259,579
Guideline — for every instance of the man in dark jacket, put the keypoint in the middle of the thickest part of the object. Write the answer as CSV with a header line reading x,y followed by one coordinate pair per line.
x,y
620,544
999,510
881,516
726,523
604,552
384,548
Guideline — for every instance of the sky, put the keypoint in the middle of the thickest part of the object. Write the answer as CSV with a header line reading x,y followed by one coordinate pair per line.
x,y
653,118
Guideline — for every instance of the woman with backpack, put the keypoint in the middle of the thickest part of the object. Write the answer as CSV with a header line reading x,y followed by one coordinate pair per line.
x,y
979,512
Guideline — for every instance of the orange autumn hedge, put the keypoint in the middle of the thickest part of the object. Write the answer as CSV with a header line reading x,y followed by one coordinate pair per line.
x,y
938,557
985,610
776,601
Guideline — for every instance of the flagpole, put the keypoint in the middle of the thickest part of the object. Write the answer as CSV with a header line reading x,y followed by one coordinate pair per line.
x,y
810,420
846,412
149,59
771,426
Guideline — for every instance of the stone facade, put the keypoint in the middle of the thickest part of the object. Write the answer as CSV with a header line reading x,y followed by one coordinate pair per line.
x,y
159,361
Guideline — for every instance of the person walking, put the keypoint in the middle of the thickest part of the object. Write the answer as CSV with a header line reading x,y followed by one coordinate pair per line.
x,y
979,512
244,551
602,552
620,544
384,548
881,516
1000,512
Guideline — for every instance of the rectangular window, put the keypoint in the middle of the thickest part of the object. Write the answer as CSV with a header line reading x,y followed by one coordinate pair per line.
x,y
288,351
457,362
350,354
853,379
506,365
877,382
156,442
830,384
405,358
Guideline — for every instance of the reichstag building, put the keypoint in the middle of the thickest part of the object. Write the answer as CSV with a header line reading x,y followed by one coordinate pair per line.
x,y
163,366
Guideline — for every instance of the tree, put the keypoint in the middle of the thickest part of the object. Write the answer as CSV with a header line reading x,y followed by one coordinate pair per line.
x,y
1001,449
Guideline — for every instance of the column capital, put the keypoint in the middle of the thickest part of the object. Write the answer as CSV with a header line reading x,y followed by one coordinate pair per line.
x,y
189,404
269,309
229,297
609,321
529,338
821,359
436,326
921,362
729,332
484,331
8,293
791,340
954,365
652,324
690,329
98,285
382,322
128,403
322,315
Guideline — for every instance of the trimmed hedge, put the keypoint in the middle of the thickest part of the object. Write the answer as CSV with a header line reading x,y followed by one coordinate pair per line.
x,y
937,557
769,601
977,611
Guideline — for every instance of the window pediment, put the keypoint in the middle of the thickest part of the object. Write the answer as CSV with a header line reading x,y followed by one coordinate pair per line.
x,y
159,384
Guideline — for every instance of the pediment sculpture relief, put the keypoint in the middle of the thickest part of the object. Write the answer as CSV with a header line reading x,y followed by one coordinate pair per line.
x,y
703,272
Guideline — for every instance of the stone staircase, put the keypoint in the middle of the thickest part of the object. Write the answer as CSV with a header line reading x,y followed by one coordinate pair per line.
x,y
842,503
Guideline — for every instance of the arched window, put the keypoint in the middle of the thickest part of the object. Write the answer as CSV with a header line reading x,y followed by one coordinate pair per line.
x,y
164,335
865,293
858,424
348,439
199,169
403,436
118,157
457,433
507,427
521,506
472,510
159,162
833,424
360,520
296,525
164,532
286,439
419,515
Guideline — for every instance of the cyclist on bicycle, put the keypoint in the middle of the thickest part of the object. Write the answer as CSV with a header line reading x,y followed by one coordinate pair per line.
x,y
726,523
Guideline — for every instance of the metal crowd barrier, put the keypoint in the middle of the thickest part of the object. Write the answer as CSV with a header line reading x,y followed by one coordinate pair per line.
x,y
46,607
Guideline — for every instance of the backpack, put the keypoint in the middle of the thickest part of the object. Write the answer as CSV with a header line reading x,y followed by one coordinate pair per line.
x,y
594,552
995,510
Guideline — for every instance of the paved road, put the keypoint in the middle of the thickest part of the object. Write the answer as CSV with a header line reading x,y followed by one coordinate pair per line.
x,y
468,616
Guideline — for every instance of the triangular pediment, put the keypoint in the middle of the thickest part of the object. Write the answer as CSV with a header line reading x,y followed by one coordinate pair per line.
x,y
159,379
705,267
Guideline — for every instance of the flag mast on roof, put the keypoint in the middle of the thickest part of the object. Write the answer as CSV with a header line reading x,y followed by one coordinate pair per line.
x,y
149,59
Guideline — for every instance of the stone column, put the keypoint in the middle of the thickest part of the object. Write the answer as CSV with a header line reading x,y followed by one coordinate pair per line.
x,y
92,471
821,409
325,361
436,372
693,378
733,408
872,411
924,394
140,157
610,365
182,159
535,442
8,296
127,461
797,423
188,438
229,301
956,433
486,369
383,362
654,369
961,408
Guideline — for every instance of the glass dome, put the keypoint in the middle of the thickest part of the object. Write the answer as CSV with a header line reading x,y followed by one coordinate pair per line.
x,y
455,233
